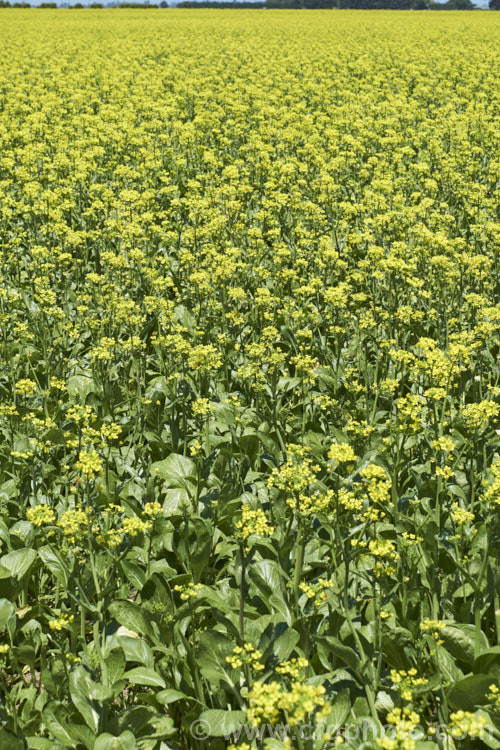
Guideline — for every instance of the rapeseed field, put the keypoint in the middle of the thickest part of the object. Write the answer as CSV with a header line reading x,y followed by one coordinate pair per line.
x,y
250,380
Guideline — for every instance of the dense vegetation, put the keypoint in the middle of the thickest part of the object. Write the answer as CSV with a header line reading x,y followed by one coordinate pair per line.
x,y
250,380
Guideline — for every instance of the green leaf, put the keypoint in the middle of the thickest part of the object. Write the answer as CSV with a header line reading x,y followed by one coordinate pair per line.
x,y
7,609
176,470
134,719
193,544
82,689
134,574
131,616
53,562
267,576
341,707
285,643
212,651
488,662
10,741
169,696
344,654
56,718
19,562
447,665
219,723
40,743
460,641
115,665
144,676
470,692
158,728
125,741
79,387
136,650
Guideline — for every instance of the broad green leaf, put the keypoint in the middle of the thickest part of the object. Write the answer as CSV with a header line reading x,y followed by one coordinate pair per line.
x,y
115,665
267,577
176,470
79,387
52,560
7,609
169,696
144,676
57,720
219,723
345,654
460,641
131,616
82,691
125,741
19,562
488,662
470,692
134,574
136,650
341,706
285,643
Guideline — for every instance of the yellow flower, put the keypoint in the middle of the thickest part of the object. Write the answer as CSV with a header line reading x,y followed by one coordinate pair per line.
x,y
89,464
342,453
134,526
40,515
61,622
253,522
25,387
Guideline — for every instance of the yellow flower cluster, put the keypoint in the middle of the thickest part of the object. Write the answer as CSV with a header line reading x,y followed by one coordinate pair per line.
x,y
40,515
494,696
134,526
61,622
406,681
293,667
433,628
466,724
405,722
246,654
89,464
253,522
461,516
492,491
74,524
378,485
342,453
386,551
269,701
477,416
317,590
152,509
202,407
25,387
188,591
296,474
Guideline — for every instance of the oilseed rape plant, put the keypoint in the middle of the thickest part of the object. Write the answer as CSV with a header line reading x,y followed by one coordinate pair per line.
x,y
249,380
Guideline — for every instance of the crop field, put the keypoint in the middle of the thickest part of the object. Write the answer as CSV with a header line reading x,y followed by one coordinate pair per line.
x,y
249,380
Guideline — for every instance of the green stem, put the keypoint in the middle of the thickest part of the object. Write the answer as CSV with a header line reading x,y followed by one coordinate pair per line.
x,y
242,594
299,562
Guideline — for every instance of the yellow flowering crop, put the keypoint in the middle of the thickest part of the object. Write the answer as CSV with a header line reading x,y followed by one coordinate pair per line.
x,y
249,376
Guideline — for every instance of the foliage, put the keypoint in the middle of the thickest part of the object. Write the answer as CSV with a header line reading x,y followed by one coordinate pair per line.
x,y
250,379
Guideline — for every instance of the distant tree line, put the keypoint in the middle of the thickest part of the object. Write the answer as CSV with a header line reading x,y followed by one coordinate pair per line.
x,y
294,4
341,4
